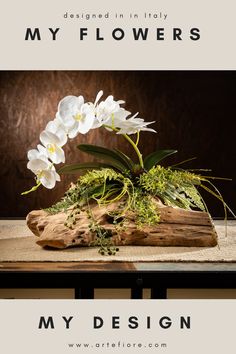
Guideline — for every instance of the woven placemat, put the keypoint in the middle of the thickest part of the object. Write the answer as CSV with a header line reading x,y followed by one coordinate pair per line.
x,y
24,249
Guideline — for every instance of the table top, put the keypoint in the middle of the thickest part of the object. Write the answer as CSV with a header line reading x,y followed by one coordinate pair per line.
x,y
115,274
142,267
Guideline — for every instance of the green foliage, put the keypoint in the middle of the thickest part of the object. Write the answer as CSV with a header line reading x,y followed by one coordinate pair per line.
x,y
126,159
116,158
74,168
154,158
173,187
106,186
71,198
145,209
62,205
133,193
103,237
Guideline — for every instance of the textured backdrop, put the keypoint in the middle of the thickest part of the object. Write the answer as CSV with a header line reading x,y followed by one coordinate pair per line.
x,y
194,113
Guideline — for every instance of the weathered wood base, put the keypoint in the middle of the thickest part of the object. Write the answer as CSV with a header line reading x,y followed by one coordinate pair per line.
x,y
178,227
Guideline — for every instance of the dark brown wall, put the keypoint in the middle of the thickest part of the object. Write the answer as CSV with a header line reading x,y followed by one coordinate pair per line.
x,y
194,113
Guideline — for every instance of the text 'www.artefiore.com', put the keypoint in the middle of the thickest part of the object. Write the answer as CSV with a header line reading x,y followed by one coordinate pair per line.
x,y
117,345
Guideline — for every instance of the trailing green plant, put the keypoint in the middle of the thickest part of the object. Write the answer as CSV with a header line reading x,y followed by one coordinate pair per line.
x,y
102,237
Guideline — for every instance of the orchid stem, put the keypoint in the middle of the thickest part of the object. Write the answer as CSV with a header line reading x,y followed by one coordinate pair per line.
x,y
134,145
33,189
137,140
135,148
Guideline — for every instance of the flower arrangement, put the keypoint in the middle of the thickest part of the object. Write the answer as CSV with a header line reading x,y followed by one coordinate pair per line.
x,y
134,186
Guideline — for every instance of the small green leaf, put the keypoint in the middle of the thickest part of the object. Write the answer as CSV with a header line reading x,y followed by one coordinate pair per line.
x,y
105,154
155,157
74,168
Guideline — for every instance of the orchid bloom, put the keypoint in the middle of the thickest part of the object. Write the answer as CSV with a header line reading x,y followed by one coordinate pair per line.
x,y
116,119
44,171
106,109
53,144
134,125
39,153
75,115
56,127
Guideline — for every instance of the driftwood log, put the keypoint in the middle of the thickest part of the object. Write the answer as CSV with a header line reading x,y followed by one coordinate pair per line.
x,y
177,227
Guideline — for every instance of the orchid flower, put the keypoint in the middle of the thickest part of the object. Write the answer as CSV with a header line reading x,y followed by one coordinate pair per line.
x,y
116,119
76,116
105,110
56,127
39,153
134,125
53,144
44,171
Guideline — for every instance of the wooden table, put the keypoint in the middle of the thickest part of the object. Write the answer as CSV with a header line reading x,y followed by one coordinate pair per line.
x,y
86,276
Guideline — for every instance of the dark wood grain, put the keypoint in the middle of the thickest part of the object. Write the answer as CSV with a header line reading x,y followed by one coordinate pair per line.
x,y
147,267
66,266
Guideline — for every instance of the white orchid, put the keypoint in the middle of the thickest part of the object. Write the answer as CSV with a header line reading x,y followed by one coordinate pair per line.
x,y
39,153
76,116
116,119
56,127
99,95
53,144
44,171
134,125
107,109
93,106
